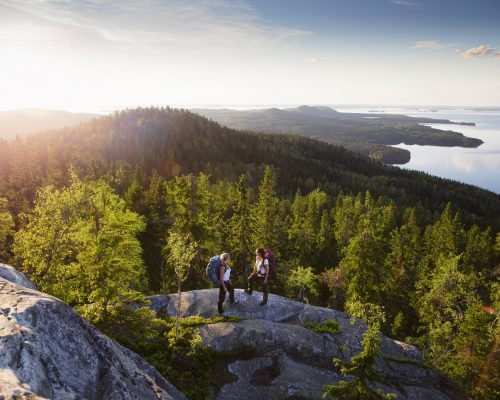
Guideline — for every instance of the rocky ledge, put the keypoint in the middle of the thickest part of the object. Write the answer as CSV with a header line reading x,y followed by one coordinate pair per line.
x,y
47,351
270,354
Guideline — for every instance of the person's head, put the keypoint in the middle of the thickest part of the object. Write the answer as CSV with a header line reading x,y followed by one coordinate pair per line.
x,y
225,257
260,252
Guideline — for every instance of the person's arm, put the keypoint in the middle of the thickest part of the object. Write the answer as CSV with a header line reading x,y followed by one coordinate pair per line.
x,y
221,277
266,266
254,271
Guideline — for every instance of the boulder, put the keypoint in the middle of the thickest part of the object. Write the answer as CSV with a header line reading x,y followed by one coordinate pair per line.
x,y
13,275
47,350
271,354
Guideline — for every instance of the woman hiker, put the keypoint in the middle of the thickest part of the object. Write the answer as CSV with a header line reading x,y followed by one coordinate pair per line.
x,y
260,273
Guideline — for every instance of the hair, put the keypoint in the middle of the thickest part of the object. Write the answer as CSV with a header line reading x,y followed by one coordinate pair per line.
x,y
261,252
225,256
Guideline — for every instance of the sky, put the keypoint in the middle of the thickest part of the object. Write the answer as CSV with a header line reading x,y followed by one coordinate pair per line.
x,y
100,55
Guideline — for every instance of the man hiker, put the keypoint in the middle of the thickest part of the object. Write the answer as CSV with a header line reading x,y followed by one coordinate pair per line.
x,y
225,286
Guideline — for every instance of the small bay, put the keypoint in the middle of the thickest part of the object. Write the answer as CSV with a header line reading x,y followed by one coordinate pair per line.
x,y
476,166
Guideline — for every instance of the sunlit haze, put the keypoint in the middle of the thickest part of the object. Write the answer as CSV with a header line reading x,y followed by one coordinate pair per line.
x,y
101,55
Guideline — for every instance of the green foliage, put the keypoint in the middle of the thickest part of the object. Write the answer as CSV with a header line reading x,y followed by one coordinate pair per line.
x,y
402,264
239,240
302,283
265,213
186,364
336,286
6,229
363,263
309,231
80,245
473,342
180,251
361,369
329,326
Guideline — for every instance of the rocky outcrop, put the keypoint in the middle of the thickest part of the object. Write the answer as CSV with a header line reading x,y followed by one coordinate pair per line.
x,y
270,354
47,351
13,275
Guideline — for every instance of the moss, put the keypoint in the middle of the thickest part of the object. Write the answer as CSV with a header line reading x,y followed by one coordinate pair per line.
x,y
329,326
196,320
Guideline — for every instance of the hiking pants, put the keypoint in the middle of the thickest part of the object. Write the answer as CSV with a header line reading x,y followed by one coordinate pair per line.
x,y
265,286
222,296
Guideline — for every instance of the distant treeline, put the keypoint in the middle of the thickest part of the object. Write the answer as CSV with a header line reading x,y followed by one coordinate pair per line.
x,y
176,142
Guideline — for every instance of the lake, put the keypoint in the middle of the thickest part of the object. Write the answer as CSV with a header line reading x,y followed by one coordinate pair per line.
x,y
477,166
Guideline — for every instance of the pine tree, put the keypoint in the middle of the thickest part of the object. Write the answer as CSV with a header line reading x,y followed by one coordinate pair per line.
x,y
473,346
156,200
361,369
441,306
240,241
402,262
265,213
364,262
346,218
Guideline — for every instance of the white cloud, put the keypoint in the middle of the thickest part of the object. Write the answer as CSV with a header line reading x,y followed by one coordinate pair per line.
x,y
404,3
484,50
428,45
154,22
314,60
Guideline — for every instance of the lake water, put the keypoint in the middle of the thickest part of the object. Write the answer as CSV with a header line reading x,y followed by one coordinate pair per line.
x,y
477,166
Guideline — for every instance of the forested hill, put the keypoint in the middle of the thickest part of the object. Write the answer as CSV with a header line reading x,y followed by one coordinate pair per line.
x,y
176,142
28,121
367,134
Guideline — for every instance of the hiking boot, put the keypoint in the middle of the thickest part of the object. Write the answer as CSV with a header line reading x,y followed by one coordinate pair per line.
x,y
223,315
263,303
234,302
248,291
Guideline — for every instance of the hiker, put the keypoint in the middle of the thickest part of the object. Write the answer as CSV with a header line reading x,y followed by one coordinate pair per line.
x,y
260,273
224,285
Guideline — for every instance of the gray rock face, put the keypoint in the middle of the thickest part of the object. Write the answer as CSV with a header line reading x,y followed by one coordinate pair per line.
x,y
48,351
271,355
13,275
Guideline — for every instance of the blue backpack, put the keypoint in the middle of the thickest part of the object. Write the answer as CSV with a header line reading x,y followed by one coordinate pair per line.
x,y
213,269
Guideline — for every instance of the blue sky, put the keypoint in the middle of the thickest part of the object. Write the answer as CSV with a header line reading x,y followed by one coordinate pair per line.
x,y
99,55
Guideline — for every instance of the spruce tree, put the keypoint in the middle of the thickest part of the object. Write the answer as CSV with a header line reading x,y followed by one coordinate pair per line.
x,y
361,369
240,241
265,213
